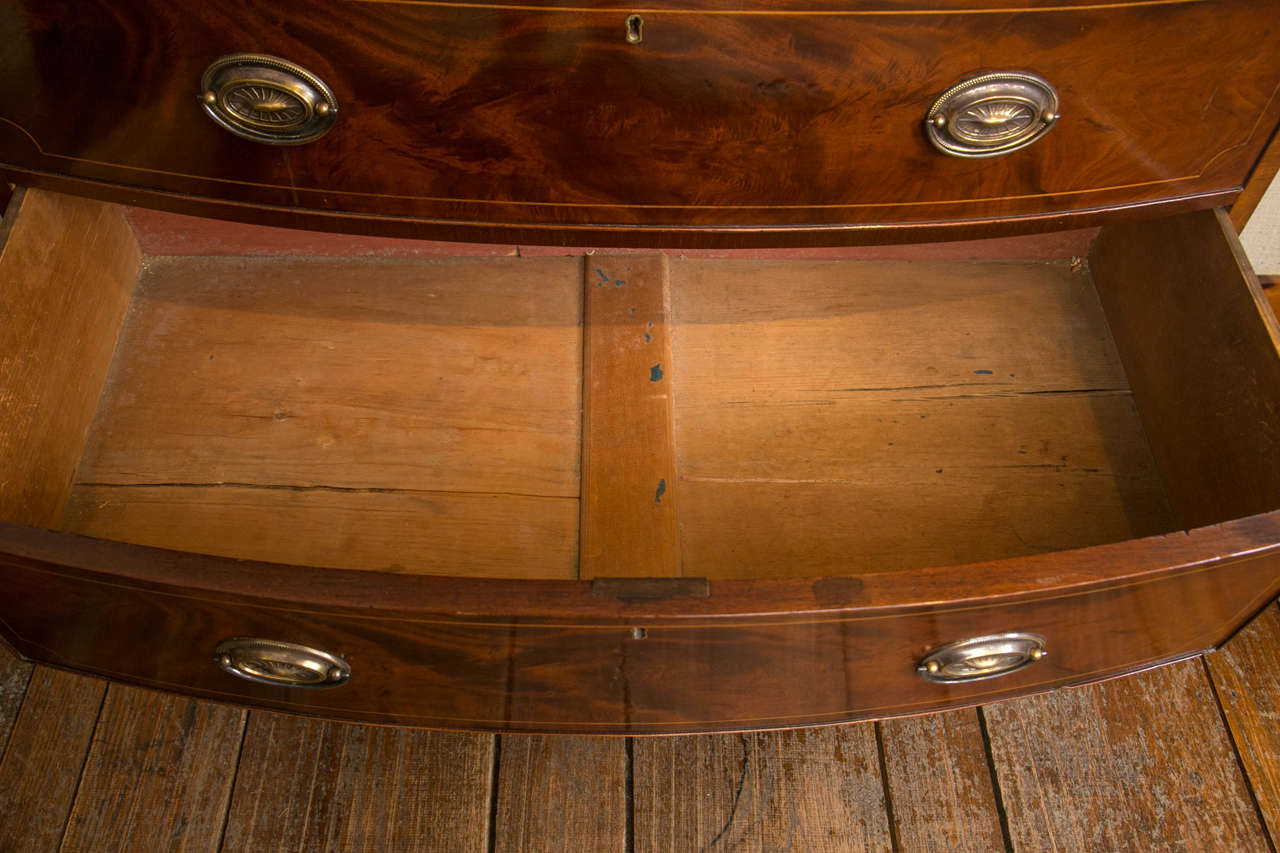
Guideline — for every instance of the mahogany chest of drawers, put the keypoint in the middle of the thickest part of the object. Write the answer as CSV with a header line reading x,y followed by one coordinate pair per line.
x,y
731,480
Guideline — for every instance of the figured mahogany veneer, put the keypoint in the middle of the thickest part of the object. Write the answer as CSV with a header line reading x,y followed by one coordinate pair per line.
x,y
849,463
550,656
760,124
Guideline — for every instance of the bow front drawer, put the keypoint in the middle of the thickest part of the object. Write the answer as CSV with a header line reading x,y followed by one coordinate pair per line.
x,y
629,492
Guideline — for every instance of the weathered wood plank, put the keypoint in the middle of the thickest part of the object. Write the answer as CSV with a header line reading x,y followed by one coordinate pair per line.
x,y
512,536
40,770
67,269
307,785
15,673
764,332
561,793
342,413
807,789
751,530
1139,763
158,775
940,783
886,436
629,523
1246,675
874,484
400,374
848,417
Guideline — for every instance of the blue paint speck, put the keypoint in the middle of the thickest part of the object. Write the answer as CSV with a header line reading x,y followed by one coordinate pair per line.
x,y
619,282
662,490
983,372
648,338
603,277
655,373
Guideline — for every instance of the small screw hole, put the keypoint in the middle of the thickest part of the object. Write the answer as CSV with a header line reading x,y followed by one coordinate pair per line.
x,y
635,29
639,633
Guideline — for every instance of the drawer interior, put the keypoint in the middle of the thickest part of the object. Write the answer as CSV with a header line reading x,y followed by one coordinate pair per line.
x,y
426,415
402,415
879,415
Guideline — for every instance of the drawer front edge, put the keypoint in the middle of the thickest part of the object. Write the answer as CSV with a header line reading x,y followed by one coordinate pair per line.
x,y
604,675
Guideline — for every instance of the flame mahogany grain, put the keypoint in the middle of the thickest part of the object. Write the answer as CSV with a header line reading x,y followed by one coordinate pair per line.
x,y
550,656
729,127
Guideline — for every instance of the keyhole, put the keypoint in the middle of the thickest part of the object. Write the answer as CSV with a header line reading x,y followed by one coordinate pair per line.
x,y
635,29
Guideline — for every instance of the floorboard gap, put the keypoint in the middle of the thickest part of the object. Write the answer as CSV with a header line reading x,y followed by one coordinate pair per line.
x,y
17,711
995,782
84,762
235,773
629,827
492,846
894,841
1235,753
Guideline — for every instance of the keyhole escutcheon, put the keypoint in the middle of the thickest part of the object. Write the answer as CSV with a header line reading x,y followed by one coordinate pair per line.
x,y
635,29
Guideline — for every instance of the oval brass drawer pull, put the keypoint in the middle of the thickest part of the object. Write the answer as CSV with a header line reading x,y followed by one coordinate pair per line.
x,y
267,99
992,114
981,657
281,664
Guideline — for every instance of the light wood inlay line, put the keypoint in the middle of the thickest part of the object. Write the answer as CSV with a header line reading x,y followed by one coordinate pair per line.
x,y
907,611
863,713
809,13
608,205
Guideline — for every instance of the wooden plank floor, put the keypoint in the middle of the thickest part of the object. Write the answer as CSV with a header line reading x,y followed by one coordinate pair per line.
x,y
1180,758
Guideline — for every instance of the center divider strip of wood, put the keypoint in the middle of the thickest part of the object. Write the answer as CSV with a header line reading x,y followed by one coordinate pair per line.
x,y
629,526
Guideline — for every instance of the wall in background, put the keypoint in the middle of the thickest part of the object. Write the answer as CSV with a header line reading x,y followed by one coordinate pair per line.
x,y
1261,236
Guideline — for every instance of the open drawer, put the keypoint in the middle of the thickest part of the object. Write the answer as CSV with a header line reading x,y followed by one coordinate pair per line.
x,y
630,493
